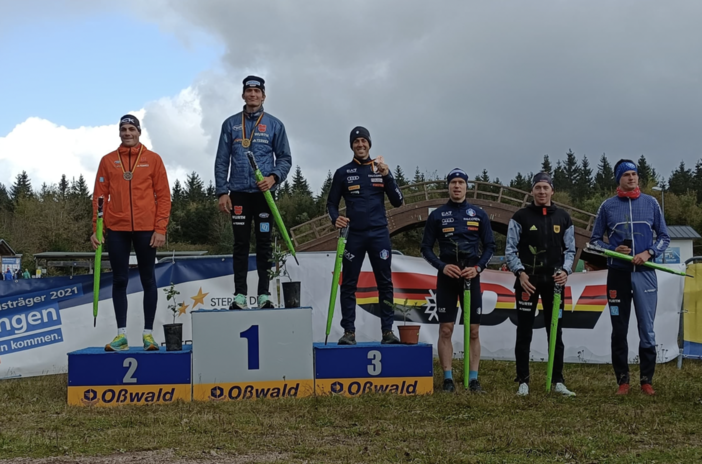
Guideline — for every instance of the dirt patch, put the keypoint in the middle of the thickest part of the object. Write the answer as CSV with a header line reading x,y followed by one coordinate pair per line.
x,y
156,457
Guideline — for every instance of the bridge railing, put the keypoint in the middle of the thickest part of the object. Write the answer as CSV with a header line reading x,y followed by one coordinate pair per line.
x,y
431,190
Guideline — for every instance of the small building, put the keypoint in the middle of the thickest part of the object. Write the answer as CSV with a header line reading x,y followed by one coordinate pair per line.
x,y
680,248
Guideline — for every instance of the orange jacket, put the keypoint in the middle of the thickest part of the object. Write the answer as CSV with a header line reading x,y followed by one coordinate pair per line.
x,y
142,204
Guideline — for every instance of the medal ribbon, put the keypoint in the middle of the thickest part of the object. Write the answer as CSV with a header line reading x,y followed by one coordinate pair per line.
x,y
243,130
121,164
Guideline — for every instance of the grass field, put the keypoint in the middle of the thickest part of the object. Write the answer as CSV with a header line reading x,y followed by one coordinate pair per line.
x,y
596,426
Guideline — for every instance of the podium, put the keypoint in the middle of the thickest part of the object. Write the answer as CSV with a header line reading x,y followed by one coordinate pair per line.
x,y
252,353
100,378
373,368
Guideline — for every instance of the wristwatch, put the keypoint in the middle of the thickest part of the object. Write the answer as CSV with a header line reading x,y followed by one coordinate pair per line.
x,y
519,272
479,269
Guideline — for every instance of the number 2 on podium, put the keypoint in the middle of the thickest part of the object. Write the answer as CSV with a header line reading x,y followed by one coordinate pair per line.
x,y
251,336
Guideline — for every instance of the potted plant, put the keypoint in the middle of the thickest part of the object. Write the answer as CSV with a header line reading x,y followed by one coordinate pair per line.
x,y
173,332
291,289
409,334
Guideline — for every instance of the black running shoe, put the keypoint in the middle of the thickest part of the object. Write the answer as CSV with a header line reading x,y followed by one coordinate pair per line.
x,y
349,338
449,386
389,338
474,387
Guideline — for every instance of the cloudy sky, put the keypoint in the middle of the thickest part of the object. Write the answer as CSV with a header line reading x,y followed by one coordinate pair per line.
x,y
476,84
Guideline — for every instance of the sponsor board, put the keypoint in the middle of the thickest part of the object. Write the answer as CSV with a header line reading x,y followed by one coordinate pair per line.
x,y
360,386
253,390
127,394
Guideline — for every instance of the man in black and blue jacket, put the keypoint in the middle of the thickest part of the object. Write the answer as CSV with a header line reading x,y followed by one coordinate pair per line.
x,y
540,251
363,184
629,220
462,230
251,130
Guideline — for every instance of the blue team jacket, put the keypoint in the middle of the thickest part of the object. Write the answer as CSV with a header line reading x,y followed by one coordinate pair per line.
x,y
633,219
269,145
363,190
462,226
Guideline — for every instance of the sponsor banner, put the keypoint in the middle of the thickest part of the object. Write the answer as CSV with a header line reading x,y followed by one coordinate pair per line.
x,y
208,284
128,394
28,342
253,390
356,387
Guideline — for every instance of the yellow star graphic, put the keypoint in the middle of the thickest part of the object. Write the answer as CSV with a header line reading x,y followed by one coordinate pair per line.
x,y
199,298
182,308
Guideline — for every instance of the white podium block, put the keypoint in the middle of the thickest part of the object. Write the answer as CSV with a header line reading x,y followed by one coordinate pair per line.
x,y
253,353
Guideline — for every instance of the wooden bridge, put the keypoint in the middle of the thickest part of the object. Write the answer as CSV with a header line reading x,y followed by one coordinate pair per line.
x,y
498,201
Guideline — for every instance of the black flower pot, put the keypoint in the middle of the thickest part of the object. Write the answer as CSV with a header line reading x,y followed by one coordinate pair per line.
x,y
174,336
291,294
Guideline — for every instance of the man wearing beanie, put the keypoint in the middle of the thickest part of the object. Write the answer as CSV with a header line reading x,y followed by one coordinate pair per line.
x,y
629,220
461,230
363,184
540,251
133,183
251,130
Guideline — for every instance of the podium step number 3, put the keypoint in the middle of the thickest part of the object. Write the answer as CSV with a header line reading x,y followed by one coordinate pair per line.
x,y
248,354
99,378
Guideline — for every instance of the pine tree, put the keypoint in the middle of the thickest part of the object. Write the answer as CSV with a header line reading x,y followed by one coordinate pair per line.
x,y
681,180
300,185
400,176
571,169
583,185
324,194
5,201
560,180
646,173
604,179
698,180
418,176
194,188
546,166
177,195
79,188
63,186
211,191
522,182
22,188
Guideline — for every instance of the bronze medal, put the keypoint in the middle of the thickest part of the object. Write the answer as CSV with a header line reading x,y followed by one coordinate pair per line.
x,y
127,175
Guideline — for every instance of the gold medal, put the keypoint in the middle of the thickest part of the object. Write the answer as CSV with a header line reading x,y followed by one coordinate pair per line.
x,y
246,143
128,175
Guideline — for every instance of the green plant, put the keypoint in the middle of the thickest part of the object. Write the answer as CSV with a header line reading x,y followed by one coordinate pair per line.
x,y
279,259
404,308
171,294
535,252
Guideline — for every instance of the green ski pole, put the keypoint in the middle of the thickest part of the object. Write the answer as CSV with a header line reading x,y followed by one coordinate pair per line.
x,y
613,254
555,315
340,247
466,332
274,209
98,261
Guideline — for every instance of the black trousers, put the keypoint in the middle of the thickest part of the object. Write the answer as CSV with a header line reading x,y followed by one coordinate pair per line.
x,y
526,311
119,245
245,208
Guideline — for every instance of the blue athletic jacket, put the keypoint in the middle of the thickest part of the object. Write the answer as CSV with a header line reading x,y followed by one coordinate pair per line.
x,y
363,190
269,145
623,218
459,225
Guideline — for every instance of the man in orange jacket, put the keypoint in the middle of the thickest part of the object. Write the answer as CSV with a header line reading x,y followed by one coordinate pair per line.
x,y
133,182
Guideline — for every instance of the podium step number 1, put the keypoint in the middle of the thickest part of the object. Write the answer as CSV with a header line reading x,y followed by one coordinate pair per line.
x,y
248,354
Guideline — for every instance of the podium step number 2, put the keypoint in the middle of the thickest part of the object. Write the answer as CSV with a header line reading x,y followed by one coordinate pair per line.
x,y
250,354
99,378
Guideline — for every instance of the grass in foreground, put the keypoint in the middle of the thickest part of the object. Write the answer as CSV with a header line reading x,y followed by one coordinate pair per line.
x,y
498,427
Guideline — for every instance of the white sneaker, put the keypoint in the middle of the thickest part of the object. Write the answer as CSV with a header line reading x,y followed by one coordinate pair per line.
x,y
523,389
560,388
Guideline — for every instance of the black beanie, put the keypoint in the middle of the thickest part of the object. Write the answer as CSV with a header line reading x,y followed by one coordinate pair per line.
x,y
254,82
541,177
129,119
360,132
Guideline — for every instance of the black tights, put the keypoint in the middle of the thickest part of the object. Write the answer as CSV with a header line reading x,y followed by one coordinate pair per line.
x,y
119,245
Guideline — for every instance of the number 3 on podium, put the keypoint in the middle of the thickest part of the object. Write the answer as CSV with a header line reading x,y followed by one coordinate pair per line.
x,y
251,336
375,368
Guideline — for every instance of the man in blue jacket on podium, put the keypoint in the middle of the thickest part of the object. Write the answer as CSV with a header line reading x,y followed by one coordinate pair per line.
x,y
363,183
461,230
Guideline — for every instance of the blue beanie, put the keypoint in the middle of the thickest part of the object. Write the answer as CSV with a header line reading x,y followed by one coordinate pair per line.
x,y
623,166
457,172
